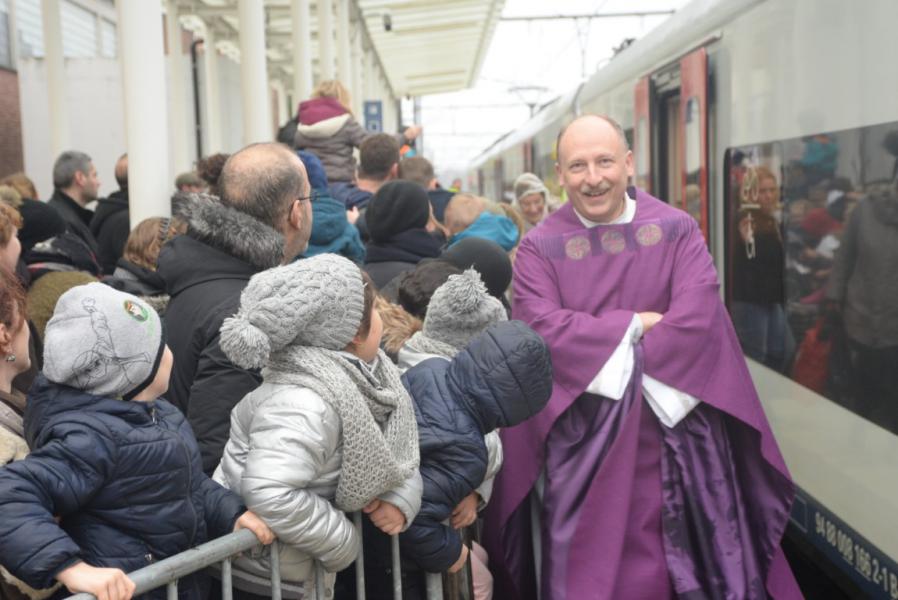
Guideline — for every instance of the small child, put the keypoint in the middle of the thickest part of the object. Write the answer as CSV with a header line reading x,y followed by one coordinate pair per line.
x,y
114,481
331,428
472,216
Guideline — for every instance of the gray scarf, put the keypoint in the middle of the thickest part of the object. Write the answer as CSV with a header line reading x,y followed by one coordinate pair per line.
x,y
380,434
426,345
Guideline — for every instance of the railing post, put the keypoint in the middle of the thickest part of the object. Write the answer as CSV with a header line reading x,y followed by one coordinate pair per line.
x,y
397,567
275,571
227,591
434,586
360,561
171,590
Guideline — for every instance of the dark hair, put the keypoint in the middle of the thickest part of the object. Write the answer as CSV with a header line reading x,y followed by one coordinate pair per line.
x,y
261,181
416,287
377,155
370,295
12,301
417,169
121,171
209,170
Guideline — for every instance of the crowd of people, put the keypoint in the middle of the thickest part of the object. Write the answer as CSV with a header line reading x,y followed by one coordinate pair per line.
x,y
305,338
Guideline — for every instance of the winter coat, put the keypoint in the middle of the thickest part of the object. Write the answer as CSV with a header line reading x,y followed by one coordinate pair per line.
x,y
204,272
12,432
284,458
501,378
111,227
331,132
124,478
139,281
41,222
385,260
439,199
351,196
332,232
76,217
489,226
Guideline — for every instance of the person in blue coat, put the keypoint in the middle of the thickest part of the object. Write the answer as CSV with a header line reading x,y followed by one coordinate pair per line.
x,y
331,230
114,481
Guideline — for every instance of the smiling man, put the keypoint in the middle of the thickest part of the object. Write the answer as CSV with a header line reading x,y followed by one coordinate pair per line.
x,y
652,473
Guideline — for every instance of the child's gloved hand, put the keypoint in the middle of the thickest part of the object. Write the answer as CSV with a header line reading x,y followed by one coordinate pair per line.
x,y
385,516
465,513
105,584
462,560
249,520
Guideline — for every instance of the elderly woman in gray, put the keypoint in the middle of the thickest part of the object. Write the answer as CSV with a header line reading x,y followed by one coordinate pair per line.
x,y
330,430
532,199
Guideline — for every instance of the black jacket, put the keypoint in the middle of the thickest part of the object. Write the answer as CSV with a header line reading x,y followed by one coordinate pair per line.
x,y
204,273
111,226
77,218
123,477
400,253
501,378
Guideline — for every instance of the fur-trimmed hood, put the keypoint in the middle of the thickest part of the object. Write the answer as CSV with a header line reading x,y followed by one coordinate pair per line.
x,y
230,231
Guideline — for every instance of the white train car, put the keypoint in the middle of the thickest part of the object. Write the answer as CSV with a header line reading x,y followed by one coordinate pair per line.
x,y
808,90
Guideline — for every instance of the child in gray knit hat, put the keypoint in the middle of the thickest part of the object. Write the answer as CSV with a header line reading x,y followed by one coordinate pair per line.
x,y
119,464
330,430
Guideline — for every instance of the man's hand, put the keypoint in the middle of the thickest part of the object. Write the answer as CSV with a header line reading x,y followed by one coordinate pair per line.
x,y
385,516
250,520
462,559
352,215
466,512
412,132
649,320
105,584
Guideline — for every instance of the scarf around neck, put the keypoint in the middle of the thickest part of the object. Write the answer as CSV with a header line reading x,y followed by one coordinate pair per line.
x,y
423,344
379,431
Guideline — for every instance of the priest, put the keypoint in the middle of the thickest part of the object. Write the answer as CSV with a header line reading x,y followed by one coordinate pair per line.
x,y
653,472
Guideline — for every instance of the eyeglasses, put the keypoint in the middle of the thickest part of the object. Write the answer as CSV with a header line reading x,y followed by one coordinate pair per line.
x,y
312,197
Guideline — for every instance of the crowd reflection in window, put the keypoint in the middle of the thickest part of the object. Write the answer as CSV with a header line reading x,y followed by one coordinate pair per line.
x,y
813,263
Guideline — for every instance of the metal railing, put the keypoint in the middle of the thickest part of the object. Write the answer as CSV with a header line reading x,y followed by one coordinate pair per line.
x,y
167,572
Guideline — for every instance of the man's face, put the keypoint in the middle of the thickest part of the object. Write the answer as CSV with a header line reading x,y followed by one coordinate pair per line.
x,y
90,184
594,166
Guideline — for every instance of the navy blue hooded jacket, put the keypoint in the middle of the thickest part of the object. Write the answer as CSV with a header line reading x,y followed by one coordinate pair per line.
x,y
124,478
503,377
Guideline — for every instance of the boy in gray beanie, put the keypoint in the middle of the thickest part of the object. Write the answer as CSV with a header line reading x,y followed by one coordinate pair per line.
x,y
330,430
117,471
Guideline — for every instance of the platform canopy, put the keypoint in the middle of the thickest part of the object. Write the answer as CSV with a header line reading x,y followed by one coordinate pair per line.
x,y
422,46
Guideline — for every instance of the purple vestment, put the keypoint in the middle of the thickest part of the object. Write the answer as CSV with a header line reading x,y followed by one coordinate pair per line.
x,y
633,509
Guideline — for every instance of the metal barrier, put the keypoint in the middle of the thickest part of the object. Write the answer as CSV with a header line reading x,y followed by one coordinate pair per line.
x,y
167,572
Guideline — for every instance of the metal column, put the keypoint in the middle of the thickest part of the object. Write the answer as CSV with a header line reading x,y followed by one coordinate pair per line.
x,y
257,125
211,96
60,134
326,38
181,154
144,87
343,45
302,50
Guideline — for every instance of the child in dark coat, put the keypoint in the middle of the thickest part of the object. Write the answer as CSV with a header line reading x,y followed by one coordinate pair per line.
x,y
114,481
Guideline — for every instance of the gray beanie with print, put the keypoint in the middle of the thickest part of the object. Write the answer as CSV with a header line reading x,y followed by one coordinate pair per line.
x,y
461,309
317,301
103,341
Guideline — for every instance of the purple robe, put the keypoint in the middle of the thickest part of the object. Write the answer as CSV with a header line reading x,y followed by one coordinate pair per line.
x,y
633,509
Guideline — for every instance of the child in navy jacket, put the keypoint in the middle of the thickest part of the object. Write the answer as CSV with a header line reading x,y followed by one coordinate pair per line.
x,y
114,481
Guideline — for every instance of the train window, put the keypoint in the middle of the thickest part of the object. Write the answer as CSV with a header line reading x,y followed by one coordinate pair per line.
x,y
813,263
672,169
643,160
693,141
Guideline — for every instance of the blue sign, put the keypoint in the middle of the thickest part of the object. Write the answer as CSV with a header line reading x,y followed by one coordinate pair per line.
x,y
374,115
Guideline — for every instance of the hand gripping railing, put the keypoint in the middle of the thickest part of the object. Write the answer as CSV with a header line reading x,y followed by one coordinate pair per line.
x,y
167,572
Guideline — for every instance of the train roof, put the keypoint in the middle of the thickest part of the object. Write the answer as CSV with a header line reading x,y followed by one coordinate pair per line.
x,y
688,28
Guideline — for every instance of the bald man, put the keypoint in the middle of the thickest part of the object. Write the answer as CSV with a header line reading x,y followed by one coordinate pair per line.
x,y
653,472
263,219
110,223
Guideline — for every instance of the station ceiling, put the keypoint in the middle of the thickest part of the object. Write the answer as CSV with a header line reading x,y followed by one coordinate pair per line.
x,y
424,46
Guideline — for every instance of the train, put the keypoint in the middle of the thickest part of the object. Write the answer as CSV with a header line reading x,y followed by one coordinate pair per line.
x,y
726,90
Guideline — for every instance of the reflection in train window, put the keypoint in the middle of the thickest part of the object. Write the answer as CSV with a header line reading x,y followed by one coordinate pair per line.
x,y
643,159
813,263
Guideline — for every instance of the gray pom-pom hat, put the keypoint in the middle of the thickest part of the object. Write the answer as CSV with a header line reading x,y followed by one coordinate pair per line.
x,y
461,309
317,301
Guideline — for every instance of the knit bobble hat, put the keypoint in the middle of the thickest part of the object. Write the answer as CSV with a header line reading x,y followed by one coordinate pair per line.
x,y
103,341
397,206
460,309
317,301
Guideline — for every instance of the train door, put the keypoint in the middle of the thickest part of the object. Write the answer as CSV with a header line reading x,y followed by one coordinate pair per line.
x,y
642,134
678,104
694,138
